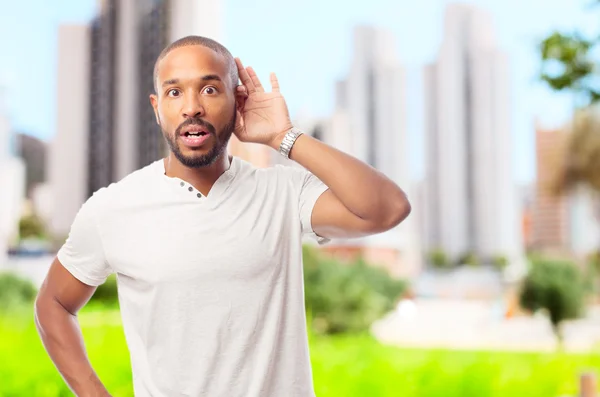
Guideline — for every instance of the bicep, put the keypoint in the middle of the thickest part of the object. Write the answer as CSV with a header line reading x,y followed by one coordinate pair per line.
x,y
62,287
331,219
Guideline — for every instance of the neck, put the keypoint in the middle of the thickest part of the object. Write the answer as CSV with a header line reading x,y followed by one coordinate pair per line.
x,y
202,178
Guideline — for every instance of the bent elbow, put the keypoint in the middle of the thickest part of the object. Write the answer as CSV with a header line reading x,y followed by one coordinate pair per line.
x,y
400,211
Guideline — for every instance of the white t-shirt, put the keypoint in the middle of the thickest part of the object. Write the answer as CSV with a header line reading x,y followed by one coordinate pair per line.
x,y
210,288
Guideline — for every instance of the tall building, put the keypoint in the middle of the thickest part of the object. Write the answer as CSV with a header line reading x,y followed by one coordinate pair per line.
x,y
550,218
5,130
562,223
33,153
372,97
258,155
112,61
153,36
471,198
369,122
12,181
69,151
102,94
131,35
584,223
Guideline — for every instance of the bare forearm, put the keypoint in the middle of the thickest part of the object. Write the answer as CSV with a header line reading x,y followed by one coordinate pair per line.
x,y
362,189
62,338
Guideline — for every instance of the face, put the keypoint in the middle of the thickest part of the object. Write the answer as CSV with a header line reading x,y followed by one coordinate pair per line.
x,y
195,104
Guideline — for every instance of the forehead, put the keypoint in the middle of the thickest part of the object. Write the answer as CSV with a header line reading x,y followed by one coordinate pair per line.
x,y
191,62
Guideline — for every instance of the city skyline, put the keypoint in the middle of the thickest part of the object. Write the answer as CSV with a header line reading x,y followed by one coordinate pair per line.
x,y
105,127
517,33
369,123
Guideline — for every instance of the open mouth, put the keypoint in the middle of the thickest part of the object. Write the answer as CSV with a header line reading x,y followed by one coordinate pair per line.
x,y
195,138
195,133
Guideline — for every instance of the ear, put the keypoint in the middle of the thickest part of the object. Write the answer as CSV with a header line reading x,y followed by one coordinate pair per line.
x,y
154,103
240,98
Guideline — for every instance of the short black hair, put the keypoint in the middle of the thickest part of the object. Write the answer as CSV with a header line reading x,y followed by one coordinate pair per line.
x,y
204,42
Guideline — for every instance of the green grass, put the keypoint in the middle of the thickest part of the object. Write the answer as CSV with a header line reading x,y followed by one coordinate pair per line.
x,y
342,366
359,366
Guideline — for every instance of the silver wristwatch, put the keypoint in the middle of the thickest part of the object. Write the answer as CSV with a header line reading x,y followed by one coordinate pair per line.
x,y
288,141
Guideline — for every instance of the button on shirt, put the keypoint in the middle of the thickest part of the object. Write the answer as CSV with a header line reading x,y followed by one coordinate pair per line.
x,y
210,287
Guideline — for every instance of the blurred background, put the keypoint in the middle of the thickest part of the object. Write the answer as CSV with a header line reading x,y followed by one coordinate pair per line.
x,y
484,111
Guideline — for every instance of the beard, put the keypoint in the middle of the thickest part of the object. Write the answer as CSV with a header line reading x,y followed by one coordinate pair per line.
x,y
199,160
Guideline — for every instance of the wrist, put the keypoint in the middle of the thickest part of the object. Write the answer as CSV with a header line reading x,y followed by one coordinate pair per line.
x,y
275,143
288,141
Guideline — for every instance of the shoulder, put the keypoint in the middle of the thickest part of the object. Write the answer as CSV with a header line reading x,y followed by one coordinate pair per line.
x,y
248,171
135,183
281,172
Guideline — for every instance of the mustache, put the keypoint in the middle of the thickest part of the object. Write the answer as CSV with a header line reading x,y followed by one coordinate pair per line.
x,y
196,121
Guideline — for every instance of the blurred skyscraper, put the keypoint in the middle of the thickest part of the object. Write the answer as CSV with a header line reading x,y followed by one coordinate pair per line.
x,y
471,198
550,218
369,122
584,222
372,98
32,151
12,185
562,223
69,155
106,127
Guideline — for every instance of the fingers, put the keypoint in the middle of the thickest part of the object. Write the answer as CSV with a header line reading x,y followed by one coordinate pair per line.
x,y
274,83
255,79
245,77
250,81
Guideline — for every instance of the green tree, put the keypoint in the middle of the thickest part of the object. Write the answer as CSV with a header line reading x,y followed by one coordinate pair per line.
x,y
570,64
558,288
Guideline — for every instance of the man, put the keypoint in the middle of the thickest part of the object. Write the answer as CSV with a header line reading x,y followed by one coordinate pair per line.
x,y
207,248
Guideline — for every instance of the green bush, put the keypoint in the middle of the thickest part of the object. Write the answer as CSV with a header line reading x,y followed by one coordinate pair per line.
x,y
592,274
31,226
106,293
380,280
15,291
346,298
556,287
499,262
438,259
469,259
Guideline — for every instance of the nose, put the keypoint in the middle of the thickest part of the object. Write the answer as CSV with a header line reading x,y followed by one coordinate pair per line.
x,y
192,107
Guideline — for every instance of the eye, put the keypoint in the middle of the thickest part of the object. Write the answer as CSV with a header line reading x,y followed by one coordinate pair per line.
x,y
210,90
173,93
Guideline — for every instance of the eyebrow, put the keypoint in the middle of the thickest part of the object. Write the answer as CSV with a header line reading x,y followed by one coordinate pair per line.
x,y
208,77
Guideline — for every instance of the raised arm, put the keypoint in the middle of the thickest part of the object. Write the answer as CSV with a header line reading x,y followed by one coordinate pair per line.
x,y
360,200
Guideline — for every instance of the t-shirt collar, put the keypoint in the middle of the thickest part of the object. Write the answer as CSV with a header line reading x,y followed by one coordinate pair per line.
x,y
219,187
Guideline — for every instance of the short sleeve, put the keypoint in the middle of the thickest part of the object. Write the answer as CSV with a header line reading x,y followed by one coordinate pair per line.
x,y
312,188
83,254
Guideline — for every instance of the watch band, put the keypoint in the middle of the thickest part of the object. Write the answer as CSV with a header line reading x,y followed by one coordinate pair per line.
x,y
288,141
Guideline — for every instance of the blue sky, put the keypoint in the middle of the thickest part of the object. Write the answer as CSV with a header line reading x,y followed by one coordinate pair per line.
x,y
308,44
